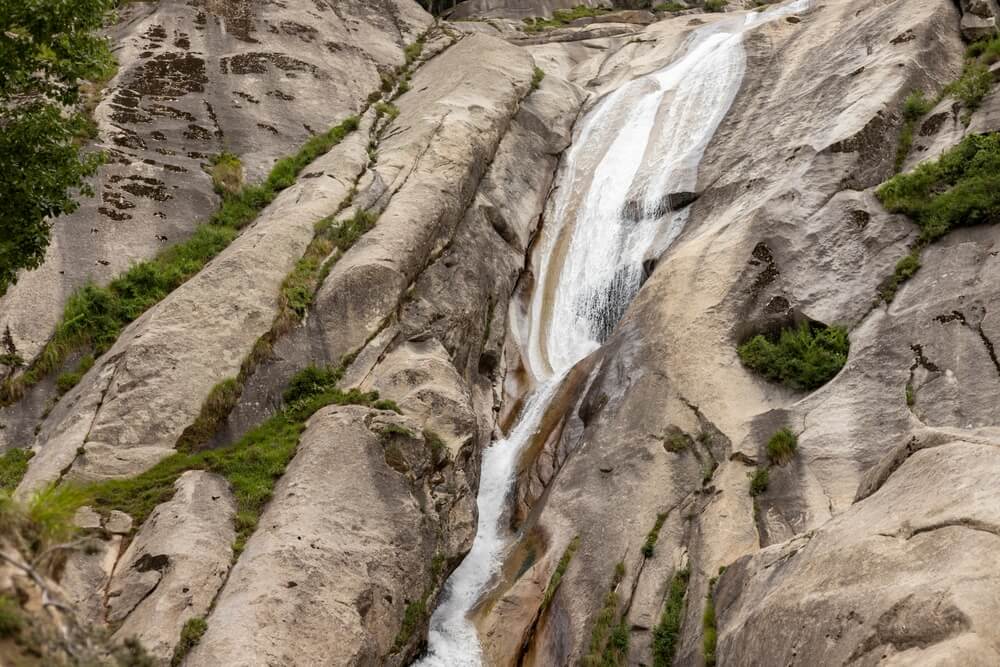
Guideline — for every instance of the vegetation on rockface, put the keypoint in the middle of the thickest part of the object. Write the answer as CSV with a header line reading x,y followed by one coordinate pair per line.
x,y
669,7
11,618
715,5
905,269
649,545
48,48
608,639
192,632
537,76
13,465
227,173
960,188
95,316
709,631
804,357
972,86
557,575
915,107
563,17
252,465
759,480
781,447
416,612
35,528
668,631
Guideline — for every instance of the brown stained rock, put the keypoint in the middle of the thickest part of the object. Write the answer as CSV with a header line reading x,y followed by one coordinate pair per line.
x,y
176,563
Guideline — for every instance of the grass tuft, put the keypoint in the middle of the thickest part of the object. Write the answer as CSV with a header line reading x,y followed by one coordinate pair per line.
x,y
759,479
557,575
650,544
537,75
13,465
667,633
191,634
781,447
562,17
227,173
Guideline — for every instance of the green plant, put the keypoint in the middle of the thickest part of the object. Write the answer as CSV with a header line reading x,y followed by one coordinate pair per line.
x,y
653,536
669,7
666,634
311,381
676,442
606,640
391,430
413,51
781,447
191,634
910,397
960,188
973,85
94,316
416,611
68,380
13,465
217,405
987,51
227,173
562,17
537,75
759,480
916,105
11,618
715,5
905,269
805,357
436,444
386,404
709,632
557,575
387,109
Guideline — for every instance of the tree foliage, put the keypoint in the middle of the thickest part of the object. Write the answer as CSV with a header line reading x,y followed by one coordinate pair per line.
x,y
47,49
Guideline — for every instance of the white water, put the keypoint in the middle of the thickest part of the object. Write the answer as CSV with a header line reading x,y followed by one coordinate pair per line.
x,y
638,144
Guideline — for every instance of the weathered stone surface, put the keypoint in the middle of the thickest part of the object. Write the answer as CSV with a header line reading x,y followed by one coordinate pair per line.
x,y
517,9
976,27
85,576
351,535
128,411
255,79
175,564
896,579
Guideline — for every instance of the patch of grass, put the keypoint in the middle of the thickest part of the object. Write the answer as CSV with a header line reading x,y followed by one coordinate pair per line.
x,y
607,637
94,316
650,544
960,188
668,631
986,51
676,442
13,465
709,632
910,397
563,17
386,404
11,618
915,107
537,75
69,379
393,430
413,51
715,5
311,381
43,521
217,406
387,109
759,479
781,447
227,173
416,611
191,634
806,357
436,444
905,269
557,575
252,465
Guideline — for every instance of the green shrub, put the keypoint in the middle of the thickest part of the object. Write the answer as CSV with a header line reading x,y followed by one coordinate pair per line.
x,y
537,75
806,357
413,51
653,535
68,380
961,188
676,442
987,51
13,465
557,575
191,634
715,5
387,109
781,447
393,430
11,618
311,381
910,397
759,480
386,404
916,105
905,269
668,631
973,85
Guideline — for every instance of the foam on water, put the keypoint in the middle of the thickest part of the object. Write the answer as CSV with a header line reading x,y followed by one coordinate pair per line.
x,y
638,145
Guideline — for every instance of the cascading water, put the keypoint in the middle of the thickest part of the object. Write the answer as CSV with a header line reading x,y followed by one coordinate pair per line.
x,y
638,146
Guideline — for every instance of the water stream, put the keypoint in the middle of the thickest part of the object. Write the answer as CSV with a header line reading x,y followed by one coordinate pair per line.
x,y
638,146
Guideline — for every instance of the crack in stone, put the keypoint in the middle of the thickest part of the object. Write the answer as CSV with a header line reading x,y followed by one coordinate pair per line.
x,y
964,522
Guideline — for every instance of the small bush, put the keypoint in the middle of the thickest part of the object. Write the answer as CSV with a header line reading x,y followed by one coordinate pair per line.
x,y
987,51
311,381
973,85
676,442
386,404
653,535
393,430
781,447
916,105
905,269
227,173
537,75
13,465
413,51
387,109
70,379
667,633
759,480
806,357
191,634
961,188
715,5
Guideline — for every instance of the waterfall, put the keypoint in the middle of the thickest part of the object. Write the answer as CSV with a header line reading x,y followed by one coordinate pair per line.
x,y
638,146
